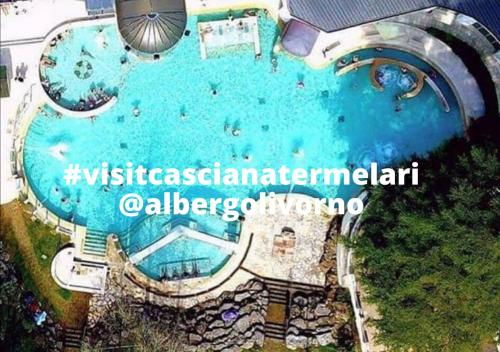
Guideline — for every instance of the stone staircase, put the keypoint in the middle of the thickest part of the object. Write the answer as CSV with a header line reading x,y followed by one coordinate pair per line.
x,y
95,243
280,292
275,331
72,339
282,285
278,295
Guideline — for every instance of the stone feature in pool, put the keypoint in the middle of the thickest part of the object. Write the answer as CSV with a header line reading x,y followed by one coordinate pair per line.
x,y
266,113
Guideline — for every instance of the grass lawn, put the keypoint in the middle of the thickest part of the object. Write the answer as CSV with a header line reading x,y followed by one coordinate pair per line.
x,y
32,246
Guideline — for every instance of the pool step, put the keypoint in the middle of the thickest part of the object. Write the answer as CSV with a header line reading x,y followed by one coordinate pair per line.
x,y
95,243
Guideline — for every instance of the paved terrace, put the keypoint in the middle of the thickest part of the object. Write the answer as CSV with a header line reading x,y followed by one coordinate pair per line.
x,y
262,252
78,275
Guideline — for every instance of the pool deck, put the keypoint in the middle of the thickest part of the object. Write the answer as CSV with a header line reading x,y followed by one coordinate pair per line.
x,y
260,253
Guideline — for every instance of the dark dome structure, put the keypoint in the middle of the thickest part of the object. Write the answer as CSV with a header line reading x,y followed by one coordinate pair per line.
x,y
151,26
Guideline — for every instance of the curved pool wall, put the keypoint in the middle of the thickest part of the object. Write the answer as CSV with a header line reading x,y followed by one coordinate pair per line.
x,y
275,118
408,58
73,92
409,39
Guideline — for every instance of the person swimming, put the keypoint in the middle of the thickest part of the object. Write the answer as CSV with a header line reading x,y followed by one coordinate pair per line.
x,y
136,112
247,157
341,119
236,131
183,116
300,85
274,64
298,152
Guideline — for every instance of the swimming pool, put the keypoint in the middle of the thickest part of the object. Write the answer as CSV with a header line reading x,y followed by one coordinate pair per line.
x,y
334,121
182,257
86,70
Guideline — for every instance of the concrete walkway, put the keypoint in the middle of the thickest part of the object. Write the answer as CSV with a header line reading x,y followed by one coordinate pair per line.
x,y
39,17
363,312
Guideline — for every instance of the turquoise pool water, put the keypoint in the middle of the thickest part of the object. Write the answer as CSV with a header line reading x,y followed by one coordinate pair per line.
x,y
87,59
334,120
183,255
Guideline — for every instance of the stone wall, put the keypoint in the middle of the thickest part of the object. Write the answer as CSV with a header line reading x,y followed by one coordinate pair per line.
x,y
322,318
202,327
208,331
315,316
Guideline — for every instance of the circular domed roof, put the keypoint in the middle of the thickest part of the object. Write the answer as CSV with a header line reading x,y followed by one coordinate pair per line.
x,y
151,26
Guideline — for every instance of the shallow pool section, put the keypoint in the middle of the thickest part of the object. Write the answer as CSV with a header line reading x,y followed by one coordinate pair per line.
x,y
256,114
179,247
86,64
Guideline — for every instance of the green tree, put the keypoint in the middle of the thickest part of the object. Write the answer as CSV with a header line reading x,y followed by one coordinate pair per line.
x,y
428,255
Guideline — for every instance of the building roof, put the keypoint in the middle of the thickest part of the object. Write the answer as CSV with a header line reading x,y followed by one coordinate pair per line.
x,y
96,7
334,15
299,38
151,26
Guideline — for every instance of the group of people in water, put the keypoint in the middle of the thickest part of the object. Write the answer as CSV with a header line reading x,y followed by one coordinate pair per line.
x,y
97,97
183,272
59,38
55,90
65,199
345,61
